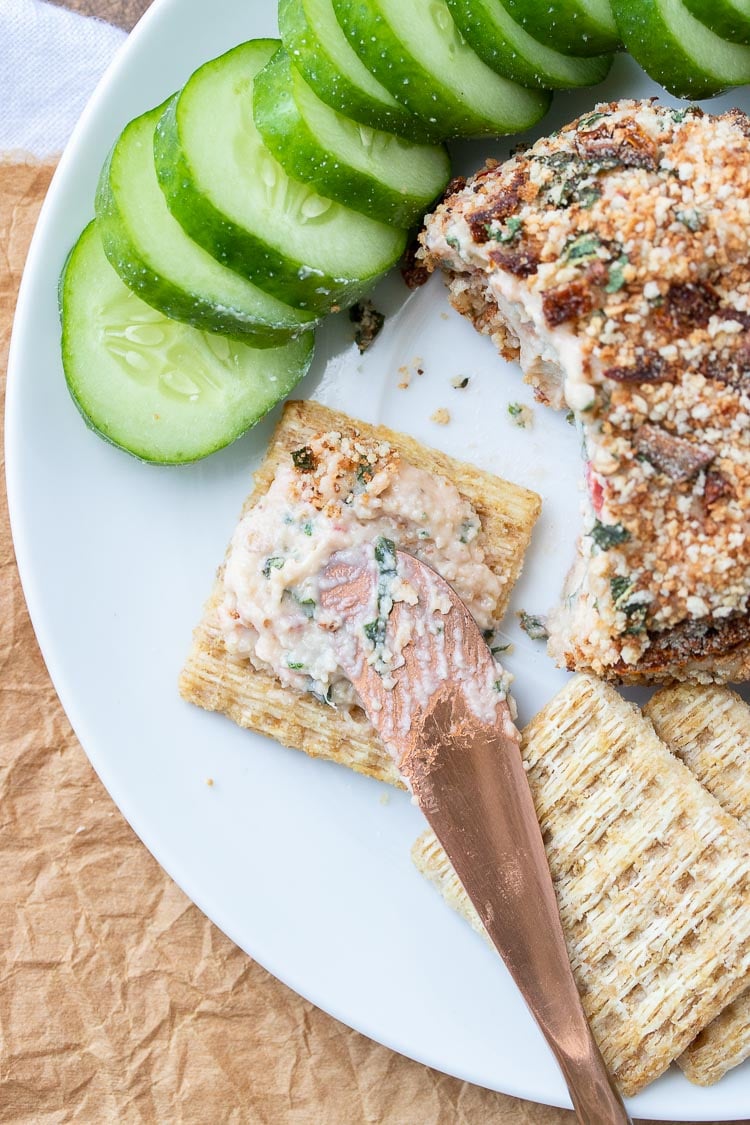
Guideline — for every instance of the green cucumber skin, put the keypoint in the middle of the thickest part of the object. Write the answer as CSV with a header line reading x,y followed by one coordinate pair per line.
x,y
566,25
284,277
419,90
311,58
288,137
106,428
646,32
163,294
723,18
478,22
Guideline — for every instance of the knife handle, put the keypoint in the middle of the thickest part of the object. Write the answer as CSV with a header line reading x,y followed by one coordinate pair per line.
x,y
595,1098
475,794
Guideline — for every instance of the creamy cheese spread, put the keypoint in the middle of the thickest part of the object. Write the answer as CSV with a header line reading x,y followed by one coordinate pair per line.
x,y
333,494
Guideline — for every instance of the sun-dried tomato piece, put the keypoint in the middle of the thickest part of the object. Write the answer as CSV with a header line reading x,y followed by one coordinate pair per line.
x,y
694,640
717,487
732,369
521,261
566,302
677,457
690,304
648,367
413,271
498,206
626,142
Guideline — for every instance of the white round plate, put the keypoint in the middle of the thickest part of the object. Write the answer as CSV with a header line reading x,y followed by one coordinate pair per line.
x,y
302,863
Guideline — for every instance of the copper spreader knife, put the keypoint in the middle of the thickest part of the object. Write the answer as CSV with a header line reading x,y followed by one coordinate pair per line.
x,y
466,774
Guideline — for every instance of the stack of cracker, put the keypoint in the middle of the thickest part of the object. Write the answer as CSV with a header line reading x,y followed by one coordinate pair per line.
x,y
709,729
652,877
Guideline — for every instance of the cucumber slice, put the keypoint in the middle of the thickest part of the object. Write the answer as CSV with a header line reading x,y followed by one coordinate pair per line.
x,y
418,53
577,27
377,173
321,53
678,51
159,389
153,255
235,199
503,44
728,18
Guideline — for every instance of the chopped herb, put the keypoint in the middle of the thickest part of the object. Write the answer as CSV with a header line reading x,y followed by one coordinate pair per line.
x,y
295,664
534,627
582,165
499,686
619,586
307,605
499,648
693,220
468,531
423,533
506,233
586,196
587,122
488,634
460,381
304,459
584,246
375,631
636,615
307,528
616,275
453,242
385,555
365,473
554,159
571,182
368,324
274,563
607,535
520,415
679,115
570,418
635,612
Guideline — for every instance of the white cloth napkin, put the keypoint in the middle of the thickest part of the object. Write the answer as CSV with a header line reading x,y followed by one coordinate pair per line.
x,y
50,61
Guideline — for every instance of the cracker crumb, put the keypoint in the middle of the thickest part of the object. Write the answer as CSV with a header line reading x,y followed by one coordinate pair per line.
x,y
209,782
521,415
441,417
414,367
460,382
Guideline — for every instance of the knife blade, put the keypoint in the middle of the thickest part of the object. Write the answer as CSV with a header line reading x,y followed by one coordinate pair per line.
x,y
430,687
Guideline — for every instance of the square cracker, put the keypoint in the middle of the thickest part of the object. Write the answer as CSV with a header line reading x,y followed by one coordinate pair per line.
x,y
708,728
216,681
652,878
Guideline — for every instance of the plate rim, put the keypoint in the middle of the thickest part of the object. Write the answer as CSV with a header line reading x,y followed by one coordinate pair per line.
x,y
33,271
